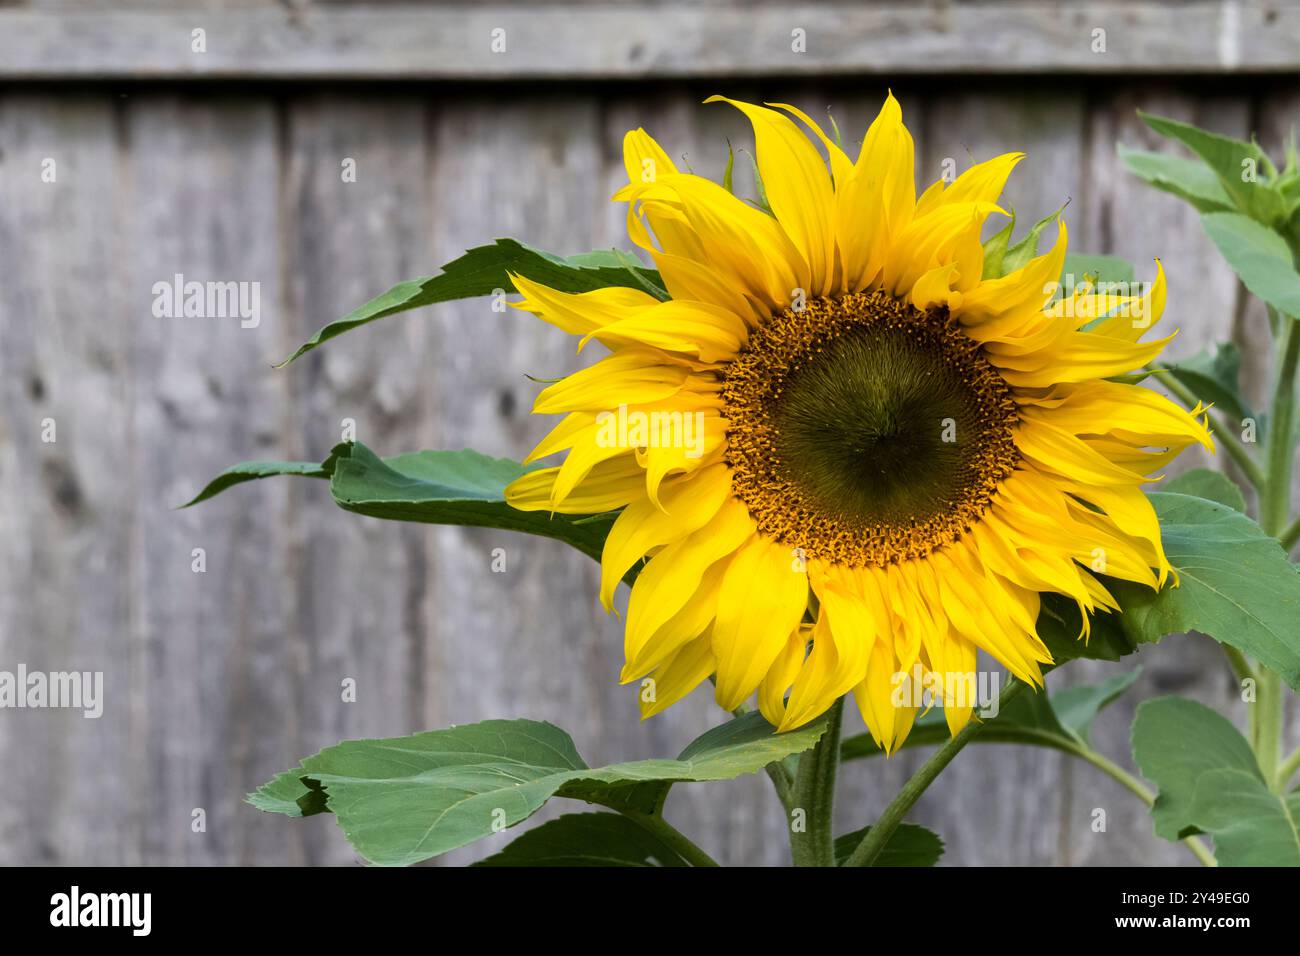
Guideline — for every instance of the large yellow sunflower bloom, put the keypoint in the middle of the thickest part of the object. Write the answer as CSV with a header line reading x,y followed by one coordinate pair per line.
x,y
892,456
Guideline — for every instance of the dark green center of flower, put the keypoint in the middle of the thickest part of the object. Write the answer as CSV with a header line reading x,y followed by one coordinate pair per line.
x,y
865,431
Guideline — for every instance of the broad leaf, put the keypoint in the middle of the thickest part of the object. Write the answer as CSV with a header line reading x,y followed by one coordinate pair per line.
x,y
1060,625
1077,706
1175,743
1251,825
1215,378
587,839
1234,162
1189,180
253,470
1210,485
909,845
484,270
1260,257
1235,584
434,487
406,799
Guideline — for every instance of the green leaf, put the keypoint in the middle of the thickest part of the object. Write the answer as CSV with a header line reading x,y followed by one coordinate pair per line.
x,y
1215,378
1236,585
485,269
1018,256
1189,180
432,487
287,794
1076,707
405,799
1175,743
1229,159
253,470
1251,825
1210,485
909,845
587,839
995,250
1259,256
1060,625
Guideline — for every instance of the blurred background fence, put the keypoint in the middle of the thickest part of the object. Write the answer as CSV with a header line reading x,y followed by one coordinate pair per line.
x,y
226,165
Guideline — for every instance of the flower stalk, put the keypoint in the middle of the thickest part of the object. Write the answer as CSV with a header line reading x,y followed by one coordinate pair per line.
x,y
878,836
813,844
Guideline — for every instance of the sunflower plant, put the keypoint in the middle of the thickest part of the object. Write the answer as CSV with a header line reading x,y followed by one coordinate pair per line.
x,y
840,444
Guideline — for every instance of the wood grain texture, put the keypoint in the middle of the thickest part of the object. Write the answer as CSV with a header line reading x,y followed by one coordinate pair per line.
x,y
313,40
217,680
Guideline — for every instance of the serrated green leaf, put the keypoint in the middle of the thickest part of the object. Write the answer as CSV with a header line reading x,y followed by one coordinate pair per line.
x,y
1175,743
1251,825
1230,160
286,793
252,471
405,799
1260,257
587,839
1207,484
909,845
1235,585
431,487
485,269
1189,180
455,488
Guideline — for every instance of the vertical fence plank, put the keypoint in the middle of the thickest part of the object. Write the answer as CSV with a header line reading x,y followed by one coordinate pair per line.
x,y
354,202
66,505
203,184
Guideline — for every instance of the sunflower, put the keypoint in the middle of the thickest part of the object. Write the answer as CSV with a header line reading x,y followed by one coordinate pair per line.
x,y
848,458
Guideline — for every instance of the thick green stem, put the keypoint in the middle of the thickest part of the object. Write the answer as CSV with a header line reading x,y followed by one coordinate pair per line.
x,y
1240,666
1275,497
1274,515
880,832
1291,535
1225,434
1268,743
812,839
670,835
1287,770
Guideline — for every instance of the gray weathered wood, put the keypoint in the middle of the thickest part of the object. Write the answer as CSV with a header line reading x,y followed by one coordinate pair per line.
x,y
217,680
586,40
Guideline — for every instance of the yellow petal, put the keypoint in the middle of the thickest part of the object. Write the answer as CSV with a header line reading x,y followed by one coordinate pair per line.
x,y
763,597
688,503
677,676
798,188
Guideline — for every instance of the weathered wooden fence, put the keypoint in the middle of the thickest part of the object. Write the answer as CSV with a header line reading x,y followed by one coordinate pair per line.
x,y
110,183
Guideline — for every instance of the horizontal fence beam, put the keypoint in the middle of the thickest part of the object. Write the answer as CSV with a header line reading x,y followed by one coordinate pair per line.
x,y
464,41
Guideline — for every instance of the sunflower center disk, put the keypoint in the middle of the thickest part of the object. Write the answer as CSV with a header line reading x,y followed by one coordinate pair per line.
x,y
865,431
